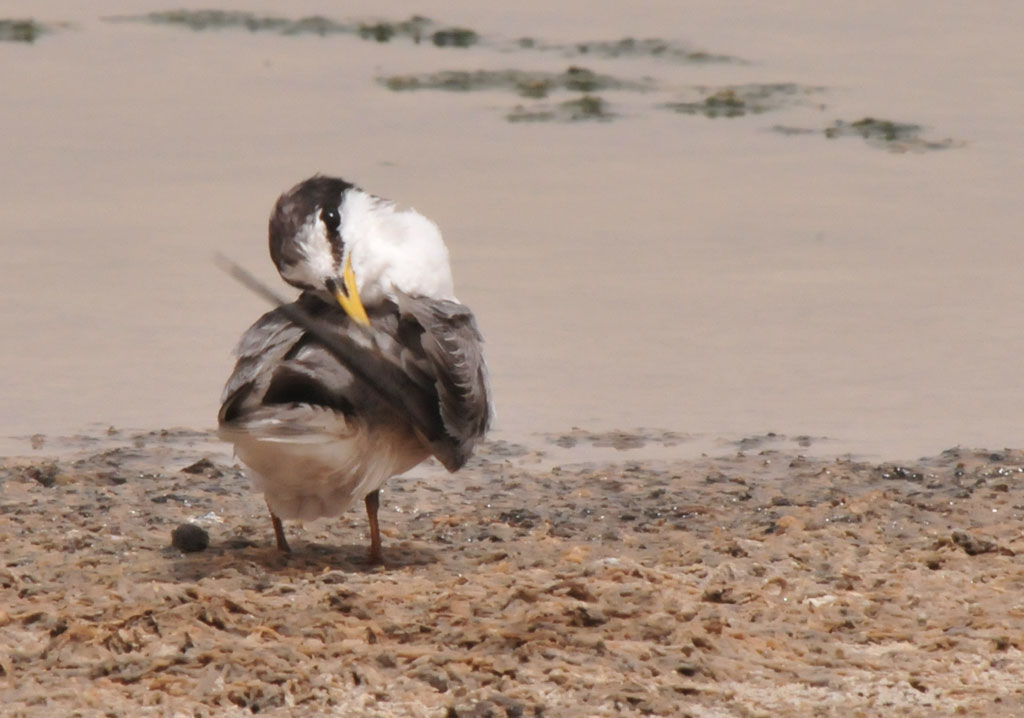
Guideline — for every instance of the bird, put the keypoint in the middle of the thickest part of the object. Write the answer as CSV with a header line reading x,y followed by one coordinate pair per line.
x,y
374,368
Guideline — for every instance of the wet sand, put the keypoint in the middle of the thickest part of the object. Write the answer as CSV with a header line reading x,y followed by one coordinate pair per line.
x,y
752,583
705,274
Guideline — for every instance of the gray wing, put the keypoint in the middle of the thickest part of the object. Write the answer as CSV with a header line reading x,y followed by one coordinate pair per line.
x,y
264,344
425,357
283,366
451,348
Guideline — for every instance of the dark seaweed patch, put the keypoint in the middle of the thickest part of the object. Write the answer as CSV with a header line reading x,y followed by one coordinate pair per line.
x,y
203,20
650,47
883,134
384,31
587,107
584,108
526,84
379,31
871,129
416,28
631,47
583,80
580,109
451,80
21,30
724,103
740,100
455,37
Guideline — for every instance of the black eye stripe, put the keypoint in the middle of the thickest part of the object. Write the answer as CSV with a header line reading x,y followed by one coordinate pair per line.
x,y
331,219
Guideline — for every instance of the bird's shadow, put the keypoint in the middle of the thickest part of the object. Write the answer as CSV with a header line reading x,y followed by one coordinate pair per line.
x,y
304,559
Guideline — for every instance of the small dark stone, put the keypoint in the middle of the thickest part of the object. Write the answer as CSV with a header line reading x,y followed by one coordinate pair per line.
x,y
735,550
523,518
190,538
973,545
513,709
900,473
719,595
588,617
45,474
434,677
203,466
170,497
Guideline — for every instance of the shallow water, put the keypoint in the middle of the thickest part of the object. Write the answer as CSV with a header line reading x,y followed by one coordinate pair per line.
x,y
708,276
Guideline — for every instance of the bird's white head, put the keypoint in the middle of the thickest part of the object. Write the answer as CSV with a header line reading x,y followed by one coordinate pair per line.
x,y
329,236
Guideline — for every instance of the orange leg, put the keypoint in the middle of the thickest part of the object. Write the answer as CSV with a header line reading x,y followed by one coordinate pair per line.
x,y
372,506
282,542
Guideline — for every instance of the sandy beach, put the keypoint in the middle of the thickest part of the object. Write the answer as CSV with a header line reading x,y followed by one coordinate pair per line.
x,y
757,582
787,235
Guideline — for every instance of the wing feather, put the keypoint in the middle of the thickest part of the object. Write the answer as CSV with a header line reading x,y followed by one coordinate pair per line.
x,y
453,349
423,363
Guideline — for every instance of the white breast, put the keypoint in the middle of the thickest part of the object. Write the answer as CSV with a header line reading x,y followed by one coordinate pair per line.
x,y
394,249
324,469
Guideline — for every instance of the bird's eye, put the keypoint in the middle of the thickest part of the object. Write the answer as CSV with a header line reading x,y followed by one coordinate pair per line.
x,y
331,219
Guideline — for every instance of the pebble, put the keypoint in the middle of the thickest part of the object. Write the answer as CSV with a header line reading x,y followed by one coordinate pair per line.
x,y
189,538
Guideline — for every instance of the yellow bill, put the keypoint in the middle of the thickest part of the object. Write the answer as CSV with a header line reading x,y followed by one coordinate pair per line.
x,y
348,296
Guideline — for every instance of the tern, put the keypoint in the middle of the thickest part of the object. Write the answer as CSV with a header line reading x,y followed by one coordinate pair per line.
x,y
373,369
